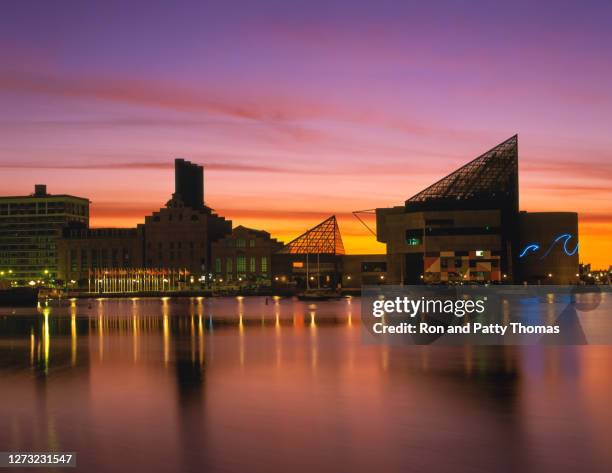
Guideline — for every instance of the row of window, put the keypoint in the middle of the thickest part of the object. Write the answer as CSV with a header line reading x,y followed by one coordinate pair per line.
x,y
239,243
157,218
459,263
99,258
241,265
171,245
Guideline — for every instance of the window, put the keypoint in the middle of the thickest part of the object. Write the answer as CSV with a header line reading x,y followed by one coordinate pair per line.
x,y
264,264
414,236
479,253
241,264
229,266
373,267
240,243
458,263
252,243
252,264
218,265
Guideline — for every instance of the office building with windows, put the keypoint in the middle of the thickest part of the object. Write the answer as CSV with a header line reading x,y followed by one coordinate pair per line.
x,y
30,227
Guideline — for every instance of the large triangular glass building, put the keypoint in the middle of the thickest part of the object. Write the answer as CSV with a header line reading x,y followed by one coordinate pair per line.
x,y
313,259
487,182
467,228
462,228
323,238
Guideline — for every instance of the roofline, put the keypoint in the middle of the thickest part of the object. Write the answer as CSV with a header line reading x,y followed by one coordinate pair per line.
x,y
515,136
46,196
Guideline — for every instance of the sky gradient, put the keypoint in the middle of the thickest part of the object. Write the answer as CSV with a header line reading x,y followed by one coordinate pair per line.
x,y
300,110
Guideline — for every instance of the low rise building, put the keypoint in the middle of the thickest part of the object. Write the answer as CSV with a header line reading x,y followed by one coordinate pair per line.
x,y
83,249
244,256
363,270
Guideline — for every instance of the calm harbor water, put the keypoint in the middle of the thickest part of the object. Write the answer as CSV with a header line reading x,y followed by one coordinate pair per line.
x,y
256,384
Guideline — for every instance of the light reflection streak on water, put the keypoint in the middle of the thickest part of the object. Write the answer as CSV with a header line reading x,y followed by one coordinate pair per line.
x,y
32,345
241,328
166,332
46,337
73,332
313,340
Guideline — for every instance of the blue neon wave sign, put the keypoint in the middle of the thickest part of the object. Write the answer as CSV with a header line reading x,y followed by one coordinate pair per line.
x,y
565,237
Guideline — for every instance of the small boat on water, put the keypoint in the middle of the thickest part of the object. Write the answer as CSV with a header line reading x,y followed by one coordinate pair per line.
x,y
18,297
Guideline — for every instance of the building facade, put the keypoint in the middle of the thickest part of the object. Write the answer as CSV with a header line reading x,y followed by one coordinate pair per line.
x,y
30,228
362,270
180,237
466,228
175,240
82,250
461,229
244,257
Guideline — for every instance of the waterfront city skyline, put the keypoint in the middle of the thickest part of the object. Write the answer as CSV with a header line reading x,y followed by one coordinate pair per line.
x,y
303,112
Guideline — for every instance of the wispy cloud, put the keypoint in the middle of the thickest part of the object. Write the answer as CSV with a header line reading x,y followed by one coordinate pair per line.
x,y
143,166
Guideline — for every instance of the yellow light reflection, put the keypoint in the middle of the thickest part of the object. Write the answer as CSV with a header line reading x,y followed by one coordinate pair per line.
x,y
192,336
73,339
32,345
166,329
135,324
313,323
100,337
201,339
46,337
241,332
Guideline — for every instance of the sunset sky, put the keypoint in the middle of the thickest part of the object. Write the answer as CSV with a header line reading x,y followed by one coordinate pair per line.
x,y
300,110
